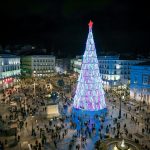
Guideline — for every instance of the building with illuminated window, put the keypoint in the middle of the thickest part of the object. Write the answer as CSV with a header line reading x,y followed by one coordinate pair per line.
x,y
9,70
114,71
75,64
140,82
38,65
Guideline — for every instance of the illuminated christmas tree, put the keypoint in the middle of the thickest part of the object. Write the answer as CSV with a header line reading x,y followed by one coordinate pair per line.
x,y
89,93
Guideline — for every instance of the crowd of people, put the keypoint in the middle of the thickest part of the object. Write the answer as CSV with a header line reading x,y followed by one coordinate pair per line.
x,y
67,130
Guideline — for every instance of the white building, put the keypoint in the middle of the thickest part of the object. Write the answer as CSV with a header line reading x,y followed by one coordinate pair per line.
x,y
140,82
9,70
38,65
75,64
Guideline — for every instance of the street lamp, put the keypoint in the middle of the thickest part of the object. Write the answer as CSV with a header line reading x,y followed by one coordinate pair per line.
x,y
120,102
119,109
34,88
121,98
107,84
70,85
34,84
32,125
20,102
141,100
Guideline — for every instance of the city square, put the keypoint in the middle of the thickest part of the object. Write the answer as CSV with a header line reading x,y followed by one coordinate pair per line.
x,y
74,75
52,113
59,132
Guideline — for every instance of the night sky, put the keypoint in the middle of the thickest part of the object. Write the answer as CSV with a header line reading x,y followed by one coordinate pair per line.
x,y
61,26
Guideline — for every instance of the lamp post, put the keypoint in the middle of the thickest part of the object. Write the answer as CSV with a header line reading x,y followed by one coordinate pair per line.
x,y
32,125
69,84
32,128
34,88
120,103
107,82
20,102
34,84
119,109
141,100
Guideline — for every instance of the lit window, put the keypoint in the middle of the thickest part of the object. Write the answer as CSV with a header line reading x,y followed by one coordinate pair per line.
x,y
146,79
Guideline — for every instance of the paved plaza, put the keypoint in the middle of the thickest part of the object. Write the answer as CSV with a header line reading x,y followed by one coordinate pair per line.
x,y
35,131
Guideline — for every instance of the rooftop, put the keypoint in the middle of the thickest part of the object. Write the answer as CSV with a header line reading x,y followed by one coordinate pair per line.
x,y
42,56
147,63
8,56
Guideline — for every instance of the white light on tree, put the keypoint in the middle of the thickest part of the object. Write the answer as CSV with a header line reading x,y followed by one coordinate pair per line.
x,y
89,93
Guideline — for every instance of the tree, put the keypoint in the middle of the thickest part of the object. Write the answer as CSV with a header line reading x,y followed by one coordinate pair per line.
x,y
89,93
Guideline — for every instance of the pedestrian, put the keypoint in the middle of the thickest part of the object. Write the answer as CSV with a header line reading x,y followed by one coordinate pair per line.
x,y
5,141
36,142
63,135
65,131
39,146
55,144
18,138
143,130
1,145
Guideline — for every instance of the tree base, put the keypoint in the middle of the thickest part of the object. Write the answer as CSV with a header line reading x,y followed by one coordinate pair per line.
x,y
87,113
80,117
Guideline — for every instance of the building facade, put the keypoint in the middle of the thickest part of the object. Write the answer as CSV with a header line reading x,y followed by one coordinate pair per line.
x,y
75,64
9,70
114,71
38,65
140,82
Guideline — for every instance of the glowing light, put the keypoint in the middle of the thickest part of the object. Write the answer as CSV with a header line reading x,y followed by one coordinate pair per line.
x,y
115,148
122,143
8,80
90,24
89,93
118,66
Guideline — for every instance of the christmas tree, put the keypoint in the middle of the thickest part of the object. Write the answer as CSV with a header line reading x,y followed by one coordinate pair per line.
x,y
89,93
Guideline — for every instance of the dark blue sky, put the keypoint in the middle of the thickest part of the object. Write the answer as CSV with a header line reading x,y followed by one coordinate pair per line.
x,y
62,26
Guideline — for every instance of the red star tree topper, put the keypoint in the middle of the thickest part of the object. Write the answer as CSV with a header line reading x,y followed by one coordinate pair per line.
x,y
90,24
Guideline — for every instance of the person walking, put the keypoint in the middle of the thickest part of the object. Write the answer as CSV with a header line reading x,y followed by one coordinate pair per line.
x,y
55,144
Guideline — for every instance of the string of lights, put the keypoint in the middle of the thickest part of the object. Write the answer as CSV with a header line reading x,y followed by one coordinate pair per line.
x,y
89,93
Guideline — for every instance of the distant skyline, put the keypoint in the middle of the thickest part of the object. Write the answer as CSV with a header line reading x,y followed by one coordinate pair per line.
x,y
119,26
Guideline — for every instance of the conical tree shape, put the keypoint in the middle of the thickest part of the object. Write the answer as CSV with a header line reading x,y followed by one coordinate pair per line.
x,y
89,93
